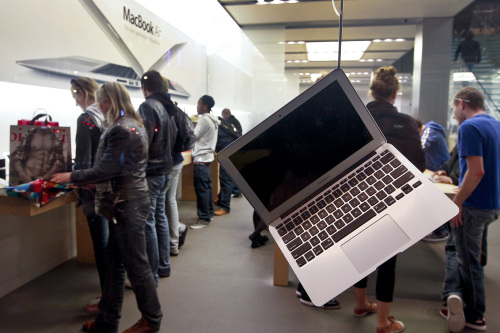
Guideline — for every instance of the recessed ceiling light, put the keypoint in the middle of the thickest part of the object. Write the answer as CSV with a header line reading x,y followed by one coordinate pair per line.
x,y
379,60
377,40
362,60
328,51
388,40
399,40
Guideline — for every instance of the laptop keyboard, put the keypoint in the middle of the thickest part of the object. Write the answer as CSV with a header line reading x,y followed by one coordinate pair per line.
x,y
347,205
117,70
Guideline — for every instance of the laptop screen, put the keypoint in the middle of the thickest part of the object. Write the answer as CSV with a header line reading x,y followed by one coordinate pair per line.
x,y
300,148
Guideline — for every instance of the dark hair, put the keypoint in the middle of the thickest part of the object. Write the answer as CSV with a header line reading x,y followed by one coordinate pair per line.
x,y
471,96
153,81
418,121
469,35
208,101
385,83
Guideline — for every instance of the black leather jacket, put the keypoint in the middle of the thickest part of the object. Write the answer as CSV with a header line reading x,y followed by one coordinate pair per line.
x,y
400,131
121,158
158,115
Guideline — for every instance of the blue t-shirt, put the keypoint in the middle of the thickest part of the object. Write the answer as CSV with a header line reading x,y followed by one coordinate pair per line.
x,y
480,136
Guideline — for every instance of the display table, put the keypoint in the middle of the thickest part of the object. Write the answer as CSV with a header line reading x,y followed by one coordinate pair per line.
x,y
187,187
21,207
281,265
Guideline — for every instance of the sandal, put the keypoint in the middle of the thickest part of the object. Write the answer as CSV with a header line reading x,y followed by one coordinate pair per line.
x,y
371,308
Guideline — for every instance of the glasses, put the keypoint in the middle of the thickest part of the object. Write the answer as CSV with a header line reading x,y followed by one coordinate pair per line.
x,y
75,83
463,100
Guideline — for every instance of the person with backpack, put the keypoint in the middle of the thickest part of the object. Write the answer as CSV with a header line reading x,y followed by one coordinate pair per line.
x,y
226,134
89,128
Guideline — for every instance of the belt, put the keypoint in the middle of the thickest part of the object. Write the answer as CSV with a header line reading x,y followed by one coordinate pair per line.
x,y
204,163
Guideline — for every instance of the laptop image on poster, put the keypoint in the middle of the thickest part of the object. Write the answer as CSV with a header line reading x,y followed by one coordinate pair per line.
x,y
105,71
338,199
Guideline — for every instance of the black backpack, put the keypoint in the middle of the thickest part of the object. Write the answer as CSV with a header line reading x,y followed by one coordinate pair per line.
x,y
228,128
185,135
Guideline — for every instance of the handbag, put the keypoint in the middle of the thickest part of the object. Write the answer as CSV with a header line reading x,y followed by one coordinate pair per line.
x,y
38,151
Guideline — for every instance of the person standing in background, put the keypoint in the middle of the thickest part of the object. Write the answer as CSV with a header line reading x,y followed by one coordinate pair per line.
x,y
203,155
226,114
469,50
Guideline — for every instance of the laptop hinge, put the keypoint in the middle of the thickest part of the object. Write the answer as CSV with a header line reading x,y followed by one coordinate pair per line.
x,y
332,181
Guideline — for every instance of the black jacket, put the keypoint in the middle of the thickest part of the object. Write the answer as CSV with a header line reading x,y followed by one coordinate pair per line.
x,y
232,120
400,130
452,166
121,158
158,113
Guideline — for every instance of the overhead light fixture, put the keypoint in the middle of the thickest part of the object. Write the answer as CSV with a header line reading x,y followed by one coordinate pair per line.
x,y
377,40
399,40
328,51
275,2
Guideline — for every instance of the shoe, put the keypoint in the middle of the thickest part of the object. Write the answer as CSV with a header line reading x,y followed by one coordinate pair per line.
x,y
221,212
456,317
182,235
142,326
359,313
174,251
238,195
259,241
90,326
200,225
93,306
478,325
432,237
163,275
395,326
330,305
128,284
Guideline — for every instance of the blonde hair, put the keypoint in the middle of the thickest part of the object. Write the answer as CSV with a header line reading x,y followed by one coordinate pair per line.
x,y
121,105
87,86
385,83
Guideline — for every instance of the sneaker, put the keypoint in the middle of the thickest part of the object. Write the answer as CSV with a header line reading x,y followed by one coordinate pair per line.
x,y
174,251
200,224
371,308
221,212
142,326
330,305
478,325
92,307
182,235
395,326
90,326
455,318
238,195
432,237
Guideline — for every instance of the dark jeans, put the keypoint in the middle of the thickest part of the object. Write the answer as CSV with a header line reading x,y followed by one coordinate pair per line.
x,y
386,279
99,231
127,251
226,189
204,192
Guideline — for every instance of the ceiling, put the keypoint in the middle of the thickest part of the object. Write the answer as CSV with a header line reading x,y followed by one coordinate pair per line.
x,y
363,20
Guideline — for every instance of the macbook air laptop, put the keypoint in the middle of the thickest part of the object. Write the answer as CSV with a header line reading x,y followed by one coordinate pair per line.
x,y
338,199
105,71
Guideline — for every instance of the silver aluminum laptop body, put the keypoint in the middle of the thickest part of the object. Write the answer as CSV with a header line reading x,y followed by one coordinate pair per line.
x,y
105,71
338,199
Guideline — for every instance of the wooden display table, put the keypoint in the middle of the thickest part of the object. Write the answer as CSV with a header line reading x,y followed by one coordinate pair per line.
x,y
188,193
21,207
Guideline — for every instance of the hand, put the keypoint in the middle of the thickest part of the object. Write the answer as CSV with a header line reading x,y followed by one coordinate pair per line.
x,y
63,177
439,173
443,179
457,220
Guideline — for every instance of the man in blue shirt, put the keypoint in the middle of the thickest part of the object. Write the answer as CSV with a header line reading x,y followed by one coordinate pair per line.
x,y
479,200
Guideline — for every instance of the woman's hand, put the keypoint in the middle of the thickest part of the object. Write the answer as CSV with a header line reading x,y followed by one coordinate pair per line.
x,y
63,177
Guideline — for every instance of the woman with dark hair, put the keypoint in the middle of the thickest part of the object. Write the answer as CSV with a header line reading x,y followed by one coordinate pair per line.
x,y
122,197
401,131
88,132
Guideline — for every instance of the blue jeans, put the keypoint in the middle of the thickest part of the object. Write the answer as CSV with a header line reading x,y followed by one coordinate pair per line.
x,y
226,189
99,232
127,251
157,234
464,258
204,192
171,206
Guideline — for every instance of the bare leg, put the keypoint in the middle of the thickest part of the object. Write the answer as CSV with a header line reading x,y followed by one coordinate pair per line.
x,y
383,309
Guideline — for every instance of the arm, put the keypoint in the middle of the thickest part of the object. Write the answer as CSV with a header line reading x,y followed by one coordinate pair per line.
x,y
201,128
83,154
473,175
149,118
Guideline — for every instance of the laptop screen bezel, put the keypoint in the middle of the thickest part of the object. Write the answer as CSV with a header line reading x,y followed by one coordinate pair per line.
x,y
378,140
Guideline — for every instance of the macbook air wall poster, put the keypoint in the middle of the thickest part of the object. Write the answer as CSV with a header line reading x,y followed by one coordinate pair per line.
x,y
338,199
124,22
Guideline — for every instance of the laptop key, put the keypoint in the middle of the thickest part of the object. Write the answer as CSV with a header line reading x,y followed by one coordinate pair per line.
x,y
321,204
338,213
318,250
379,174
337,193
348,218
346,208
305,236
373,201
331,229
323,235
298,220
371,191
389,200
354,191
322,213
322,225
339,224
395,163
354,225
381,195
330,219
403,179
301,250
356,212
313,210
327,243
346,197
314,241
377,165
313,231
353,182
301,261
294,244
369,171
306,225
400,196
299,230
387,179
380,207
387,168
288,237
407,188
370,180
399,171
345,187
309,255
379,185
329,198
417,184
315,219
389,189
290,226
305,215
339,203
282,231
330,208
361,176
387,158
354,202
362,197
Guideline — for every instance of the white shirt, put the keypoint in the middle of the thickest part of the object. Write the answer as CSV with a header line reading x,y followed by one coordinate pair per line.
x,y
206,138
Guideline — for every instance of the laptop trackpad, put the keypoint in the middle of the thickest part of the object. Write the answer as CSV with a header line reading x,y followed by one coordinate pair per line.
x,y
375,243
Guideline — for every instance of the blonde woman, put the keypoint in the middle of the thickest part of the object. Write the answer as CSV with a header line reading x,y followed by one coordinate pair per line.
x,y
122,197
89,127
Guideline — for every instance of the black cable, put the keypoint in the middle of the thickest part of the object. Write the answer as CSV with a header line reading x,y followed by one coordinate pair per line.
x,y
340,30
